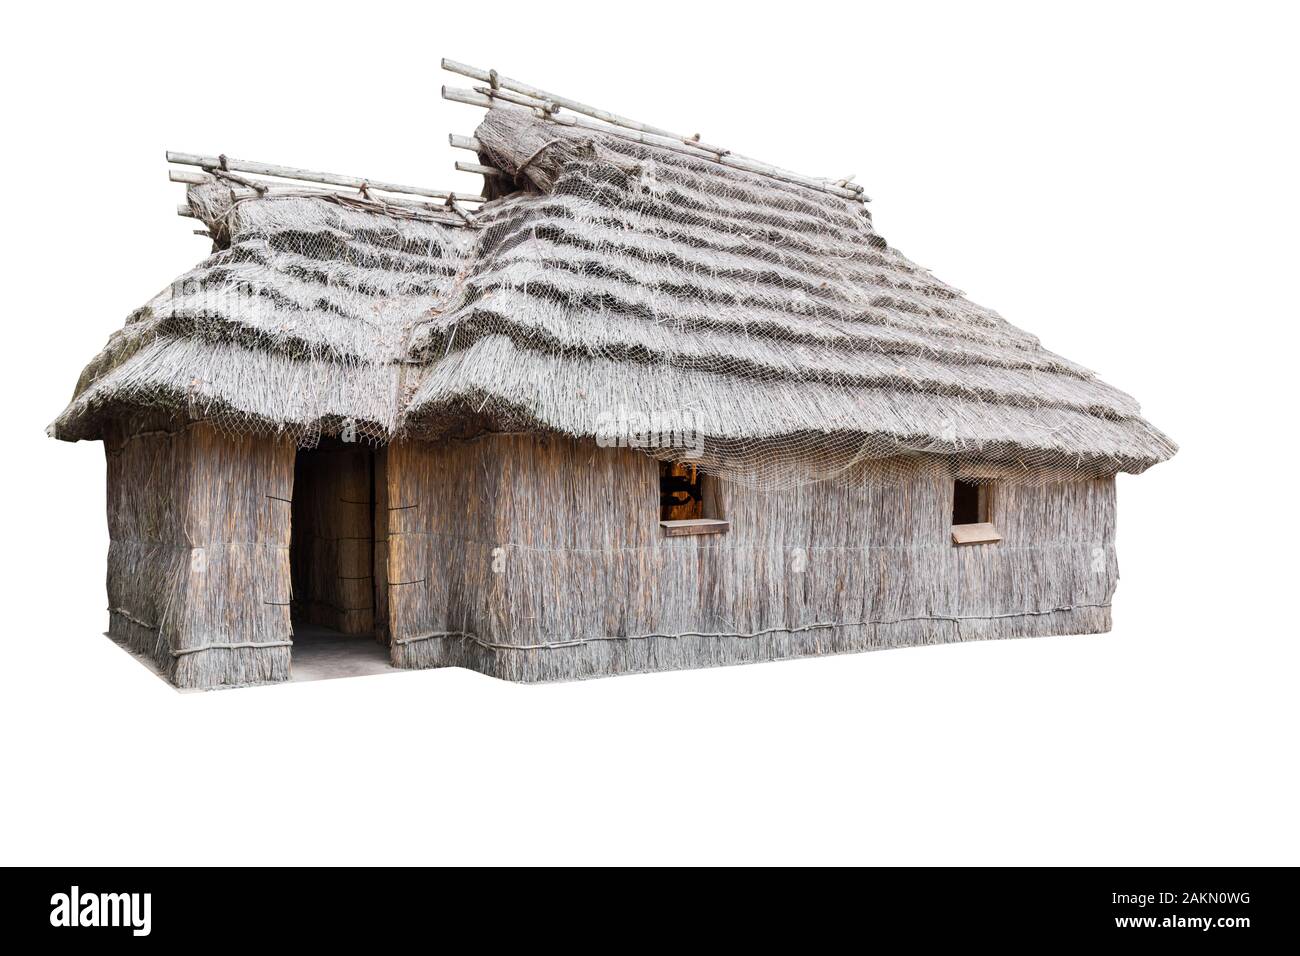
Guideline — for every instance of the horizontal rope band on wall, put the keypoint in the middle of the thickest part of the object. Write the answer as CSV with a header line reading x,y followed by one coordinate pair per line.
x,y
229,647
186,547
122,612
660,544
553,645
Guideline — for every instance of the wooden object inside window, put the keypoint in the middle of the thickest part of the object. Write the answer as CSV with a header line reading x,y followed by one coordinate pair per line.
x,y
681,494
681,501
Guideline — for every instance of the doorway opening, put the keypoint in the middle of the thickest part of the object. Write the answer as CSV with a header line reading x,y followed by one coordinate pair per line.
x,y
337,629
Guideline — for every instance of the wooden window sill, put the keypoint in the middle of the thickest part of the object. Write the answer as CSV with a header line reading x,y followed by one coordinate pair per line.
x,y
982,533
685,526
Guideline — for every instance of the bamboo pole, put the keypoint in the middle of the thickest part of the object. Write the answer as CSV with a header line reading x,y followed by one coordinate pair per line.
x,y
549,102
258,189
188,176
464,142
458,95
487,100
480,169
504,82
308,175
519,99
460,210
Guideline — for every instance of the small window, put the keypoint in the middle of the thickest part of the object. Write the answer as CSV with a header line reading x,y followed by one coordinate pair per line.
x,y
681,502
970,503
972,513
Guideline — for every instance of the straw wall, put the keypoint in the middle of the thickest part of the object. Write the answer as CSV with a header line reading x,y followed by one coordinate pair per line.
x,y
198,566
332,553
541,559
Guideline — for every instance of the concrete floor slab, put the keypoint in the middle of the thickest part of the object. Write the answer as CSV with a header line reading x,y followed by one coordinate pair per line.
x,y
320,653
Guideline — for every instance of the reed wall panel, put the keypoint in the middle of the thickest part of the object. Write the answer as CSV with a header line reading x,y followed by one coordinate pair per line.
x,y
536,558
198,569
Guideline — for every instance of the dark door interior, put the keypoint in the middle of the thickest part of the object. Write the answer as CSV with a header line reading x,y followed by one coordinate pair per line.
x,y
331,550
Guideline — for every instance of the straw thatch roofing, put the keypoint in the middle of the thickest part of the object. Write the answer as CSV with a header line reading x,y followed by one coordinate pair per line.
x,y
611,280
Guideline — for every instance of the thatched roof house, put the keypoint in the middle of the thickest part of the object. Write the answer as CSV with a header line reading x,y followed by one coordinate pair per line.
x,y
645,404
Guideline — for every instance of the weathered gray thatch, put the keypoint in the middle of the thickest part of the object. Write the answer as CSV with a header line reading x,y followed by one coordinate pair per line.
x,y
618,279
299,322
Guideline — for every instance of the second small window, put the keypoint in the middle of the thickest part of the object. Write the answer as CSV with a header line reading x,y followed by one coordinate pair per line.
x,y
971,503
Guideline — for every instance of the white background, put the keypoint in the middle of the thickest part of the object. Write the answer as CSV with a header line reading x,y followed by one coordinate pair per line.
x,y
1120,179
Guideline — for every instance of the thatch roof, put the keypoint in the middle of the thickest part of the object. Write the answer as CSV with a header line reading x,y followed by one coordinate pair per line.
x,y
612,279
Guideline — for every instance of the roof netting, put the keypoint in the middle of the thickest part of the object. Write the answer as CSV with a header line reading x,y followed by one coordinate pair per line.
x,y
617,291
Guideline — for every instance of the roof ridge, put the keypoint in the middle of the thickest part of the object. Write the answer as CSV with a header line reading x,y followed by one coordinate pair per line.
x,y
288,181
547,106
